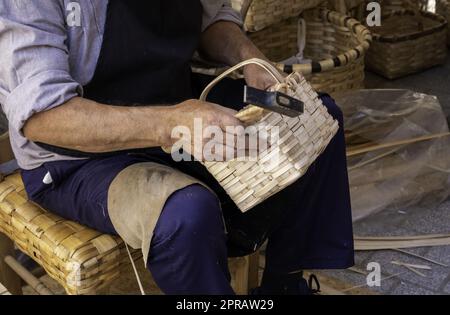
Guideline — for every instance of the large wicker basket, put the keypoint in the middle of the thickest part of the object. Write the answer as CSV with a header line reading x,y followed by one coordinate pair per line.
x,y
301,140
260,14
407,42
443,8
335,43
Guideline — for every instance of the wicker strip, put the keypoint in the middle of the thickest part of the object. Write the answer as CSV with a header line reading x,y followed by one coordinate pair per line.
x,y
443,8
260,14
336,43
301,140
82,260
407,43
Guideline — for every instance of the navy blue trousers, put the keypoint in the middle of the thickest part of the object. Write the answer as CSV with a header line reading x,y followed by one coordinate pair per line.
x,y
190,247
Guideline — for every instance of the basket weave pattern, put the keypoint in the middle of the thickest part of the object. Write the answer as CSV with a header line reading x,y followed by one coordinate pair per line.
x,y
82,260
260,14
399,47
336,44
301,140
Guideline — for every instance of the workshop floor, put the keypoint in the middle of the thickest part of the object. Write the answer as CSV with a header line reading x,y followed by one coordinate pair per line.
x,y
411,221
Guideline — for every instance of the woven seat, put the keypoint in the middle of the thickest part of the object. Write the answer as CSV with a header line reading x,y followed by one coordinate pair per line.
x,y
82,260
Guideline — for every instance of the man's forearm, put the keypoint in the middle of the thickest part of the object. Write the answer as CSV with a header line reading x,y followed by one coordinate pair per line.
x,y
92,127
87,126
225,42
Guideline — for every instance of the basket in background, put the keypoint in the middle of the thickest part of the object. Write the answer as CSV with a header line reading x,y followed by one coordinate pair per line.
x,y
407,42
334,43
358,8
260,14
354,8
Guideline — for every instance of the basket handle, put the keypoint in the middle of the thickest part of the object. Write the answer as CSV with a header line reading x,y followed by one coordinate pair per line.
x,y
255,61
341,6
245,7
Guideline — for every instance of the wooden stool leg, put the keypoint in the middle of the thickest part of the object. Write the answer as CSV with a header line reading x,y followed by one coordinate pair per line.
x,y
7,276
253,271
244,273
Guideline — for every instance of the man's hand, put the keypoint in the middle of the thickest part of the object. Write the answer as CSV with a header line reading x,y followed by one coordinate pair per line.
x,y
197,116
257,77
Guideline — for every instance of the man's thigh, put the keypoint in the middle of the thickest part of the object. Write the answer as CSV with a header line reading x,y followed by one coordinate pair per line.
x,y
78,190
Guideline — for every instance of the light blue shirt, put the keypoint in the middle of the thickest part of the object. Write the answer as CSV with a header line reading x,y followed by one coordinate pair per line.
x,y
44,62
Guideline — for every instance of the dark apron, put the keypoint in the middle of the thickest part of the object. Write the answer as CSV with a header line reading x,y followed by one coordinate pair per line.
x,y
145,60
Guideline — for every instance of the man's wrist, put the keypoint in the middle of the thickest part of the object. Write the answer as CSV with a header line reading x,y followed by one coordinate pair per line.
x,y
249,51
164,118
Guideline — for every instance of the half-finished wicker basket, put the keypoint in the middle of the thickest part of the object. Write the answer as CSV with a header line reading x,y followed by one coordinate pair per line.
x,y
301,140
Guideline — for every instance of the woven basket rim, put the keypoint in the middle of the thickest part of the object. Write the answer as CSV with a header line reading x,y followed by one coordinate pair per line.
x,y
410,36
357,28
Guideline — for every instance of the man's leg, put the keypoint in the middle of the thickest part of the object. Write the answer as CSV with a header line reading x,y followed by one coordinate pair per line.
x,y
188,253
316,232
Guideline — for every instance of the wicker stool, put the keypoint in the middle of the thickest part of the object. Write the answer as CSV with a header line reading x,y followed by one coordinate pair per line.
x,y
82,260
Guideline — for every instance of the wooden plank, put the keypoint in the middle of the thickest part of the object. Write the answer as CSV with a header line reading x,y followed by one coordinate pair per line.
x,y
379,243
244,273
239,274
421,257
253,271
364,148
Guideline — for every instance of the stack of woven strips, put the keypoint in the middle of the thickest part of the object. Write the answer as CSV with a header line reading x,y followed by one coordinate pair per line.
x,y
443,8
407,42
336,44
301,140
82,260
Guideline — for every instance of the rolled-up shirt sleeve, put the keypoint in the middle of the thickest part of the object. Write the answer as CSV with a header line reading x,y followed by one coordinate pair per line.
x,y
219,10
34,63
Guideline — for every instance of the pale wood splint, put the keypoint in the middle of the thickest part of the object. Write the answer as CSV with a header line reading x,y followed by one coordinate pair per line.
x,y
82,260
